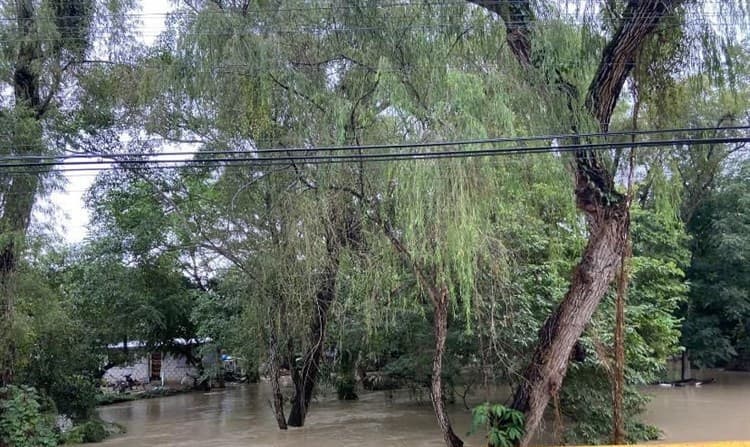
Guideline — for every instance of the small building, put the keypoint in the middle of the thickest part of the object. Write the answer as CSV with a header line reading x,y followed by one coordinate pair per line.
x,y
154,366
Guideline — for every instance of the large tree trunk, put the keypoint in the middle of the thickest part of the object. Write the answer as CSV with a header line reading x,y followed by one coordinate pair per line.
x,y
605,209
273,370
591,279
305,381
440,328
343,230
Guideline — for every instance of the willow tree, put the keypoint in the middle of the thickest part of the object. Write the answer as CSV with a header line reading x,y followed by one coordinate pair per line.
x,y
629,27
46,48
285,243
179,93
384,82
330,88
438,218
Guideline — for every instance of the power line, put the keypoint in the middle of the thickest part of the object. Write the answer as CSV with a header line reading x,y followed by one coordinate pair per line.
x,y
339,28
351,148
323,7
34,168
342,30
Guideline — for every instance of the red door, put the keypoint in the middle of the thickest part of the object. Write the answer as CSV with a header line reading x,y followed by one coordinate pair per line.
x,y
155,366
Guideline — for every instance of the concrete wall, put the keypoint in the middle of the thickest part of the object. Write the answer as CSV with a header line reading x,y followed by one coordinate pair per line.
x,y
174,369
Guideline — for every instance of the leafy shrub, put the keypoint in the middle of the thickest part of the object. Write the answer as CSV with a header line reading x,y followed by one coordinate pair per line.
x,y
91,431
23,419
586,403
346,388
94,431
75,396
504,425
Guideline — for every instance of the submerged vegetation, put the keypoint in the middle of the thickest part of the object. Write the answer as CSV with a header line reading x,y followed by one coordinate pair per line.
x,y
361,197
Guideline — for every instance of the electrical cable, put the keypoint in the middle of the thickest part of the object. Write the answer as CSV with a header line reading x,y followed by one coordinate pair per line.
x,y
368,147
34,168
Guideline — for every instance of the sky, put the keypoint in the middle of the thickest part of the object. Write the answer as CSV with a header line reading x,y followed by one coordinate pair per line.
x,y
70,216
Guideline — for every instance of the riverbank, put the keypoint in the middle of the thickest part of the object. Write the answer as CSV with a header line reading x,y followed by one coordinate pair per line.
x,y
109,398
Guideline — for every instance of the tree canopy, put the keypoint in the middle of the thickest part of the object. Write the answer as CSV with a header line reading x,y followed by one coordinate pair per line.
x,y
418,194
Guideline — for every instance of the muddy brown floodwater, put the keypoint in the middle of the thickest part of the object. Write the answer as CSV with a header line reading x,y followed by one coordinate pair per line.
x,y
718,411
241,416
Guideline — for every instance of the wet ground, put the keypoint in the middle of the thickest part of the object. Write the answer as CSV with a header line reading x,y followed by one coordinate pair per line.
x,y
241,416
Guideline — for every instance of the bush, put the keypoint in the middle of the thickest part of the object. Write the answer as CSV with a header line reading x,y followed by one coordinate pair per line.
x,y
586,403
346,388
24,420
94,431
91,431
504,425
75,396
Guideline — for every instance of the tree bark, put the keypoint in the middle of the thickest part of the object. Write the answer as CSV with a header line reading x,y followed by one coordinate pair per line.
x,y
605,209
343,230
591,279
439,298
440,328
273,364
308,376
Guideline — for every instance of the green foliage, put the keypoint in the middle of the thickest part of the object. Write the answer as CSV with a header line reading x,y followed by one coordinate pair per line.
x,y
657,290
346,388
346,380
38,49
504,425
147,295
74,396
94,431
57,355
716,327
88,432
499,234
107,398
26,419
587,407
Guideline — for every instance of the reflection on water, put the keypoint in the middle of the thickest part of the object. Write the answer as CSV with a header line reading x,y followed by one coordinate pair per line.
x,y
241,416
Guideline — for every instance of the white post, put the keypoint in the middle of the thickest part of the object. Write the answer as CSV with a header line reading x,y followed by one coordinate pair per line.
x,y
161,370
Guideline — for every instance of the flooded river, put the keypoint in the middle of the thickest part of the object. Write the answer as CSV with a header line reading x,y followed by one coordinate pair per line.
x,y
241,416
715,412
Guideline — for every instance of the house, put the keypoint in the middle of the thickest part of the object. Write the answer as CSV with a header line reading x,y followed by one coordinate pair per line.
x,y
154,366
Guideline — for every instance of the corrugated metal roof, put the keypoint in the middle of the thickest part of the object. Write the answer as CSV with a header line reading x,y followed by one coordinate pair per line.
x,y
135,344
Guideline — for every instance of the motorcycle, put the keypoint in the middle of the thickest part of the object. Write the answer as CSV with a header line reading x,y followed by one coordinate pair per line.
x,y
127,383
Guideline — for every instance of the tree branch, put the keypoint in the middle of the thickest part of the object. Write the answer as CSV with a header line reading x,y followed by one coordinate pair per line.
x,y
639,20
405,255
517,15
296,92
